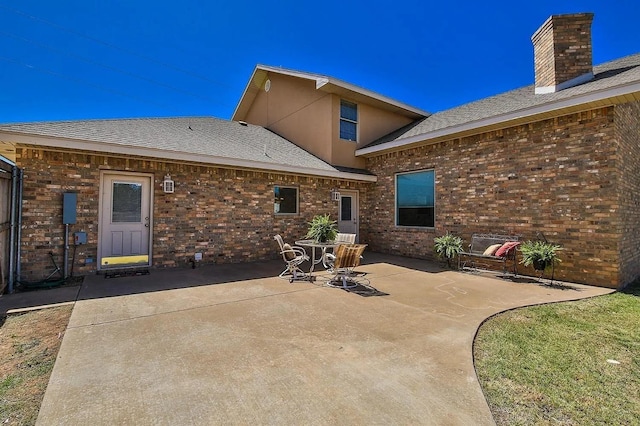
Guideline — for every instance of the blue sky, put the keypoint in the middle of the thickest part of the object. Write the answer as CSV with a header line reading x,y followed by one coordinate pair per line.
x,y
85,59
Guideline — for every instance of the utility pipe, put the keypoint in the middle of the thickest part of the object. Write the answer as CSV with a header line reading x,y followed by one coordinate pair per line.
x,y
19,230
66,251
12,232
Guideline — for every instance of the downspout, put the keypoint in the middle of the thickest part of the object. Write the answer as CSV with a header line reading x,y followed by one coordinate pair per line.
x,y
19,232
13,230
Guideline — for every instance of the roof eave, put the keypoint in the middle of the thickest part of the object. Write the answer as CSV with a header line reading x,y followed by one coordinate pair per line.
x,y
247,96
328,84
478,125
212,160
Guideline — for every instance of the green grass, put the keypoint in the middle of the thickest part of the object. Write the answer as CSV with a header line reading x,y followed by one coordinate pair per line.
x,y
550,364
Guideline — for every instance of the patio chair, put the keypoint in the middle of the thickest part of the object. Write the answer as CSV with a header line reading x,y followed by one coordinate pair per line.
x,y
329,257
293,256
347,258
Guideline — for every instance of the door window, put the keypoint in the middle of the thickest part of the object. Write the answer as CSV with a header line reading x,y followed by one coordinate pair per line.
x,y
345,208
127,202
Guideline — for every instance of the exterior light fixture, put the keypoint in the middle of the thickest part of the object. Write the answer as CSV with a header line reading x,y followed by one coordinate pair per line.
x,y
167,184
335,195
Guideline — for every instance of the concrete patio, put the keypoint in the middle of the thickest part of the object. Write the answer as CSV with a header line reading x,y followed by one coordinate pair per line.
x,y
231,344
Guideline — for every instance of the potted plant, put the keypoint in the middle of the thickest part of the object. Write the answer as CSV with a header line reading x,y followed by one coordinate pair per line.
x,y
447,246
540,254
322,229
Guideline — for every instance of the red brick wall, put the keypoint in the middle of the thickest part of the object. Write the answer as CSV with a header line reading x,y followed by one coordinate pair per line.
x,y
227,215
627,119
556,176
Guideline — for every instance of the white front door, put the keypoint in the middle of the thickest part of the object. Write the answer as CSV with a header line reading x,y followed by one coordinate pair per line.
x,y
348,212
125,220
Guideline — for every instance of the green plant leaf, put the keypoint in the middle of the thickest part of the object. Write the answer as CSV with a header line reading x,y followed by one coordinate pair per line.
x,y
322,228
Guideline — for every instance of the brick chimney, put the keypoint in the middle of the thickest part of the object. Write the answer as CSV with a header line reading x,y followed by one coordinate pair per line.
x,y
562,52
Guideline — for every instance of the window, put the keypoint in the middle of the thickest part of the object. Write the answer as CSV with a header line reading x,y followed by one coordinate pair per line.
x,y
127,202
285,200
415,199
348,121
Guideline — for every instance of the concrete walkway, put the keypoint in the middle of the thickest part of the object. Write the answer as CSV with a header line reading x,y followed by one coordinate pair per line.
x,y
170,348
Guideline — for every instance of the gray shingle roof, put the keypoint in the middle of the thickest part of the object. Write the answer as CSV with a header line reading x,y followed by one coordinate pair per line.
x,y
606,76
205,136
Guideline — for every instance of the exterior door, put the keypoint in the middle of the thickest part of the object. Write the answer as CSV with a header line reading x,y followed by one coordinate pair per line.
x,y
125,220
348,212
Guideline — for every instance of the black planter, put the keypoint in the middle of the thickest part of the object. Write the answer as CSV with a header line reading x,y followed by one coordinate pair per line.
x,y
539,264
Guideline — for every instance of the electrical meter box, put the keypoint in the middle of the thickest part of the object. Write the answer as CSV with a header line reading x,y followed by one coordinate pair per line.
x,y
69,201
79,238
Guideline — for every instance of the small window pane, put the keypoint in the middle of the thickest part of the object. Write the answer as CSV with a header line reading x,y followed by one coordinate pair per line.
x,y
415,199
348,111
348,130
348,121
285,200
127,202
345,208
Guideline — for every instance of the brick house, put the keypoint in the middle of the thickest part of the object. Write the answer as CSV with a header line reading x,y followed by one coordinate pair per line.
x,y
560,157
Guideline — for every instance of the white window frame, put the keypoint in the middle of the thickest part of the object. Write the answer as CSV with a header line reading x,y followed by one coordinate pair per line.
x,y
395,197
348,120
276,208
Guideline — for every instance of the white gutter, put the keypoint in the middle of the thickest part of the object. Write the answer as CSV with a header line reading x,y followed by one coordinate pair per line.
x,y
213,160
503,118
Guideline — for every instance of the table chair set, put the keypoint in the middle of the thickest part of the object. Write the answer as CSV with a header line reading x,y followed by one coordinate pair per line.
x,y
339,258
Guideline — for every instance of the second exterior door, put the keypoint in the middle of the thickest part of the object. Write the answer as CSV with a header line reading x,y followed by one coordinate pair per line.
x,y
125,220
348,213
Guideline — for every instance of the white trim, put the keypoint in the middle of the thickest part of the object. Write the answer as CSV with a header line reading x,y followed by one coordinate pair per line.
x,y
245,91
504,118
4,159
212,160
348,120
543,90
355,194
322,80
564,85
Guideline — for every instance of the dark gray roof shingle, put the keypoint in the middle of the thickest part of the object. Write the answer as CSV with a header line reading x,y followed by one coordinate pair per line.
x,y
204,136
606,76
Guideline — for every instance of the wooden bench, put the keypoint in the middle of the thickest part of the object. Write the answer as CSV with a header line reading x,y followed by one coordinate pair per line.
x,y
477,254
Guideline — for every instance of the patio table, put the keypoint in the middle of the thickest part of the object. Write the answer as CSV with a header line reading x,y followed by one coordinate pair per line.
x,y
314,245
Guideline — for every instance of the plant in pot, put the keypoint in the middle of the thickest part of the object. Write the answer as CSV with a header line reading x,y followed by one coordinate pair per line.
x,y
322,229
539,254
447,246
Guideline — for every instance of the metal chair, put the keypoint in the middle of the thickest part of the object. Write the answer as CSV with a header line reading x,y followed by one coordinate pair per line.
x,y
293,256
329,257
347,258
